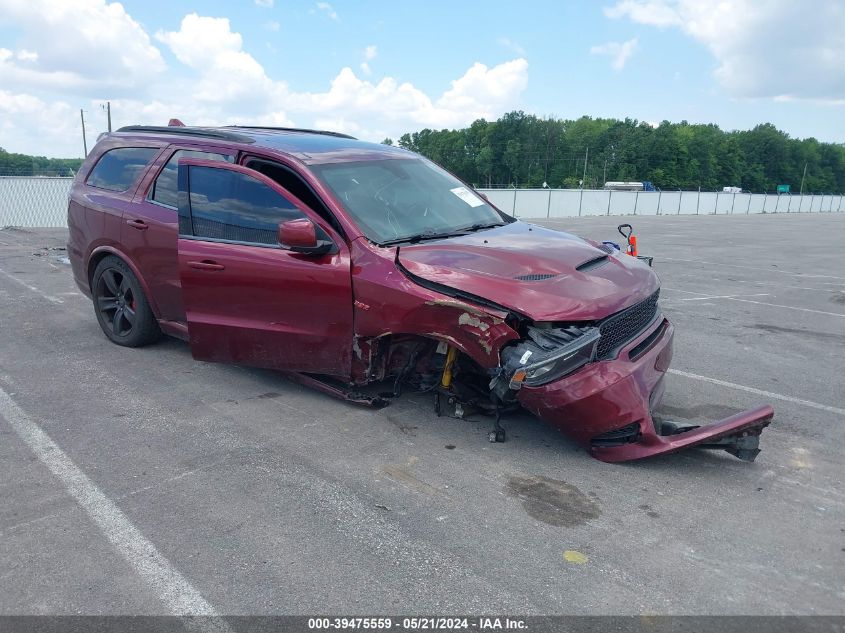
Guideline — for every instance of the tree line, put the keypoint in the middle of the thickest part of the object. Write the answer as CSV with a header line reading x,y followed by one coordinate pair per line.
x,y
523,150
25,165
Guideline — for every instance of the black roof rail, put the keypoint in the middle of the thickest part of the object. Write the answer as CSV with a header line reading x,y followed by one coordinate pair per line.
x,y
292,129
190,131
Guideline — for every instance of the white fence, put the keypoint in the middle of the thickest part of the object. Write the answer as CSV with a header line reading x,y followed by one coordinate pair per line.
x,y
33,201
568,203
37,201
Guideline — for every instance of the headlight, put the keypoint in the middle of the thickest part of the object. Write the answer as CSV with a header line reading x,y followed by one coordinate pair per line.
x,y
550,354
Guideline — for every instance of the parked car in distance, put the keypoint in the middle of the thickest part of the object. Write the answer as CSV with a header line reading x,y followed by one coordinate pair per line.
x,y
348,264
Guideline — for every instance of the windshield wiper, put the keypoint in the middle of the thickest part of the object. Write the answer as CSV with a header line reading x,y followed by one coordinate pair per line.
x,y
483,225
426,235
430,235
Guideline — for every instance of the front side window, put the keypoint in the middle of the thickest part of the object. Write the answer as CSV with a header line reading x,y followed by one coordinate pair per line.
x,y
228,205
119,168
164,189
395,200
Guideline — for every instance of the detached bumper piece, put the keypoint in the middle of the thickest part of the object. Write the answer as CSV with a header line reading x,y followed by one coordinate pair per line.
x,y
739,435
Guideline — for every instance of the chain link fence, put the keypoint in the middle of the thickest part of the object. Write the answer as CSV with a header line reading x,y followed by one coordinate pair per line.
x,y
34,201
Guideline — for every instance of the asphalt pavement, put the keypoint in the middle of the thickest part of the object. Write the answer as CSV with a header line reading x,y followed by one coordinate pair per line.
x,y
141,481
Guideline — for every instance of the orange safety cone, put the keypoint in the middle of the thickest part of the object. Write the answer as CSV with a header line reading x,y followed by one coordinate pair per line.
x,y
632,246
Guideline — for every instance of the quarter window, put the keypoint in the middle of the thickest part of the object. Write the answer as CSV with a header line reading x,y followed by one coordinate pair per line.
x,y
119,168
232,206
164,189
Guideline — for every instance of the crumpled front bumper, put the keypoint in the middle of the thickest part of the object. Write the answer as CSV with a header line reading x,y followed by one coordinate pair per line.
x,y
609,395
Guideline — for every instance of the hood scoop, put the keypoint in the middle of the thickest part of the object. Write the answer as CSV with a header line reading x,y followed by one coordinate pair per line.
x,y
535,277
591,264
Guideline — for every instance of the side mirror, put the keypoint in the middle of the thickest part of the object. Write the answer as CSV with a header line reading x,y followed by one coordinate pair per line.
x,y
300,236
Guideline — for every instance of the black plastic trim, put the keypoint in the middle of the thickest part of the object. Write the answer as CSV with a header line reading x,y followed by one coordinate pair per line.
x,y
590,264
643,346
291,129
189,131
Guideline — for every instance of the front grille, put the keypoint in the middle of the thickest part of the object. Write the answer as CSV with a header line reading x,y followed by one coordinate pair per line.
x,y
618,329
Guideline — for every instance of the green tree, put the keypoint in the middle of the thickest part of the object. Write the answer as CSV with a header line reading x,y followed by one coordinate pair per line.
x,y
524,149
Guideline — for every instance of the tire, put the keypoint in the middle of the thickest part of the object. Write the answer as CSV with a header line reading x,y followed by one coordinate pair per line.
x,y
122,309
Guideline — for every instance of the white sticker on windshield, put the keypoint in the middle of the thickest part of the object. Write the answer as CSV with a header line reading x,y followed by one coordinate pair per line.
x,y
467,196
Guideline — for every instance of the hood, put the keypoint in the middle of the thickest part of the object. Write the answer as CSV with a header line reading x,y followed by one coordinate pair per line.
x,y
543,274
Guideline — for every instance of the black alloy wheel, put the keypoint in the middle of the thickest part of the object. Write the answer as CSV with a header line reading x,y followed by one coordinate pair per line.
x,y
116,301
122,309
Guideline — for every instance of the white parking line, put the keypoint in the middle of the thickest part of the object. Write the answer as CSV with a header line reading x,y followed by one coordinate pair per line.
x,y
768,270
38,291
771,283
703,296
171,587
779,305
707,297
759,392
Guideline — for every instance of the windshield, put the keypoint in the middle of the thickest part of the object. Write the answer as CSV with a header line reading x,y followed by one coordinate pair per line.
x,y
395,200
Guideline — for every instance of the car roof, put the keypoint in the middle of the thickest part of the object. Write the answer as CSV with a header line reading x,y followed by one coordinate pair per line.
x,y
309,146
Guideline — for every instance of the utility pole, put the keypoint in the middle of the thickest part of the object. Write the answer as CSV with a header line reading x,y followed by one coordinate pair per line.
x,y
84,140
604,178
584,177
108,114
802,179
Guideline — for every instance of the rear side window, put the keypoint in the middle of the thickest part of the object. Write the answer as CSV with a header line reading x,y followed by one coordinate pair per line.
x,y
119,168
164,189
228,205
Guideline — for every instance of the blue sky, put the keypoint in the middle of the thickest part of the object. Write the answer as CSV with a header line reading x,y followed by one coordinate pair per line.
x,y
378,69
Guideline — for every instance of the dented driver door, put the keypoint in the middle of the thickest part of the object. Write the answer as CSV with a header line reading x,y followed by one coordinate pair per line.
x,y
250,299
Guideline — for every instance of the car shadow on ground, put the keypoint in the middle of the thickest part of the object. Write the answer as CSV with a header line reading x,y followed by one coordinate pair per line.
x,y
414,416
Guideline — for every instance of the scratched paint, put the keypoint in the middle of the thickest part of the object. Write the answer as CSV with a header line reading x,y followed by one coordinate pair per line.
x,y
472,321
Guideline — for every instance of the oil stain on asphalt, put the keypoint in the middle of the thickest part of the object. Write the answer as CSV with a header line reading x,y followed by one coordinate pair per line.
x,y
551,501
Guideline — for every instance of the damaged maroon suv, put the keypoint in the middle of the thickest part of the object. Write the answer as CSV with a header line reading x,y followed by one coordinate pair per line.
x,y
350,265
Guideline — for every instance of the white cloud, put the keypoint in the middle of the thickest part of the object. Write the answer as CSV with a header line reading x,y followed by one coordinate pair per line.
x,y
370,53
485,92
40,127
232,78
512,46
216,81
266,4
619,52
653,12
777,48
80,46
27,56
273,25
326,8
227,73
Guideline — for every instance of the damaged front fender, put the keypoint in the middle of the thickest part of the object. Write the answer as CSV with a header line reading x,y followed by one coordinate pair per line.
x,y
390,304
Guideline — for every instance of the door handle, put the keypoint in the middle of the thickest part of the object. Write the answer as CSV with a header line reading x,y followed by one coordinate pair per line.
x,y
138,224
206,265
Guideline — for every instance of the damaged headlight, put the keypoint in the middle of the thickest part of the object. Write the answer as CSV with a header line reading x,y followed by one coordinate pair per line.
x,y
549,354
